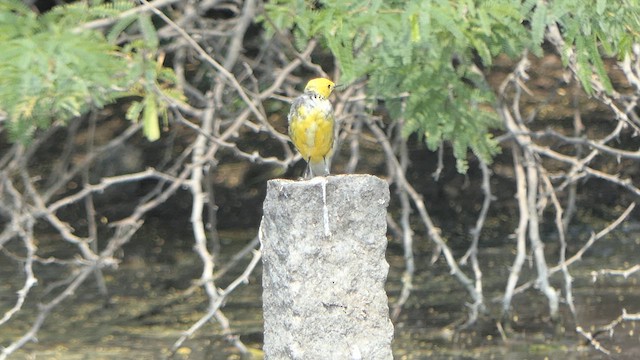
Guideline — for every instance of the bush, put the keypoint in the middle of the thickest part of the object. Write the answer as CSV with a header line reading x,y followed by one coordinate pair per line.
x,y
424,59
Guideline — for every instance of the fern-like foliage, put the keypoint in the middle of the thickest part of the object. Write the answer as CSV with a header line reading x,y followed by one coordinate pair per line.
x,y
72,14
592,30
55,75
431,50
51,71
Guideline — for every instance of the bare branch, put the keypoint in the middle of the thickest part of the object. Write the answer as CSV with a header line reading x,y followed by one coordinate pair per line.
x,y
625,273
432,230
222,296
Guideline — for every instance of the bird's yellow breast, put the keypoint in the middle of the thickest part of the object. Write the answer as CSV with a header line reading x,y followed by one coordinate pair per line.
x,y
311,130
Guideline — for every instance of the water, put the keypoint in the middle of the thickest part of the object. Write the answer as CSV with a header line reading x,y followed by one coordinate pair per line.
x,y
148,310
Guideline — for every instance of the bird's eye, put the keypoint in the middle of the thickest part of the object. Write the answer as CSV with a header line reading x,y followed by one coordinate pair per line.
x,y
329,86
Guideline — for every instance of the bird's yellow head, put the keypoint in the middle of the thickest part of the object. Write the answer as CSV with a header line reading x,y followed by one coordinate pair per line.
x,y
320,86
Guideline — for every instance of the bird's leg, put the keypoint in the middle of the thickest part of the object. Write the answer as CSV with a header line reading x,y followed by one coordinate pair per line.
x,y
307,172
326,166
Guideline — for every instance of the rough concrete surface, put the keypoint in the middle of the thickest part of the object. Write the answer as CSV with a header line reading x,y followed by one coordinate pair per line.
x,y
323,244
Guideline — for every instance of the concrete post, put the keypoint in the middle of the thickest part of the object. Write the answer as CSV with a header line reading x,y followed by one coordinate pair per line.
x,y
323,251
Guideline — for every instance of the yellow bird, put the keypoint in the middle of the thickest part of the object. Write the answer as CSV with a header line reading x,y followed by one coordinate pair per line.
x,y
312,126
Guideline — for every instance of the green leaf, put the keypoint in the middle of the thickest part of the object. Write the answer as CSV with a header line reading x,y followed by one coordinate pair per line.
x,y
601,5
134,111
583,65
596,60
538,26
344,55
119,27
148,31
150,120
414,19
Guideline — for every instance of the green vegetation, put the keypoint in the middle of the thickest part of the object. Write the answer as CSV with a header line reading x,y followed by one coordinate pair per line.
x,y
433,52
424,59
51,70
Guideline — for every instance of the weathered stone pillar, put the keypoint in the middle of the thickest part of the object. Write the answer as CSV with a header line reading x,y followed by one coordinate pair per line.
x,y
323,250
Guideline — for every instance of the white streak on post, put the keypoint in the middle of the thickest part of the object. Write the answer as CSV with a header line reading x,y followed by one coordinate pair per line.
x,y
325,209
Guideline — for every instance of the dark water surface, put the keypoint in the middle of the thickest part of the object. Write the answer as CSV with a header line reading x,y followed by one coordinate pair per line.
x,y
148,310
